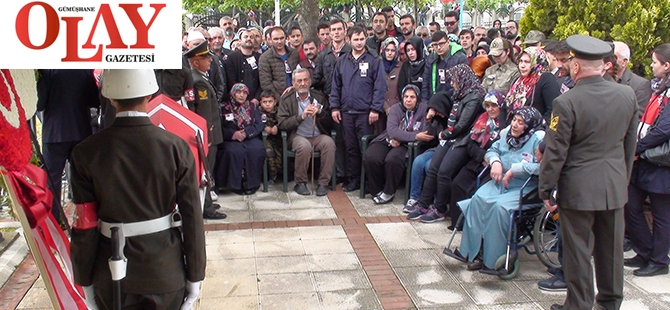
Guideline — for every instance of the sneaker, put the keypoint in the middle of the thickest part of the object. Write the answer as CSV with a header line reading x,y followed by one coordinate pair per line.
x,y
410,206
432,216
553,284
417,213
213,195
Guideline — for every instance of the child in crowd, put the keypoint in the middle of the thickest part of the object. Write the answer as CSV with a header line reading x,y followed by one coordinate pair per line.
x,y
273,145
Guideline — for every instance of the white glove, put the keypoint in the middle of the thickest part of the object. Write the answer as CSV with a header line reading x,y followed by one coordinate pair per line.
x,y
89,297
193,289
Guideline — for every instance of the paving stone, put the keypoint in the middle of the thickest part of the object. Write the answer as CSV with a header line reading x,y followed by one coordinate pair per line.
x,y
330,262
410,258
437,241
232,217
653,285
416,276
237,303
271,196
396,236
295,301
230,285
312,214
537,295
260,205
229,236
341,280
228,205
439,228
495,292
281,264
513,306
442,296
279,248
329,247
233,250
272,215
228,196
224,267
321,232
314,203
276,234
366,207
350,299
36,298
285,283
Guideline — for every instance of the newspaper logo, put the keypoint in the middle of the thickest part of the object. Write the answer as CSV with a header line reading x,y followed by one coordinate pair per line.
x,y
68,34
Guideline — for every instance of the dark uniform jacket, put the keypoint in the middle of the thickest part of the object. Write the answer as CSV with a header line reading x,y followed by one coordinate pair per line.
x,y
216,75
175,83
289,116
66,97
136,172
323,72
241,68
272,69
207,106
590,146
358,85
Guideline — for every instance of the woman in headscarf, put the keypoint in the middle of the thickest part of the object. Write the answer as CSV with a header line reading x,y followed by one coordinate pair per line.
x,y
512,160
467,105
649,180
411,71
389,51
241,165
536,87
386,158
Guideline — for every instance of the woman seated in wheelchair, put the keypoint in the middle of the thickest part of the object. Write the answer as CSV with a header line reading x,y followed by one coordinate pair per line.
x,y
512,159
386,157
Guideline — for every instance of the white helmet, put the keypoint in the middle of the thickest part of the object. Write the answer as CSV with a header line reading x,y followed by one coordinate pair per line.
x,y
128,83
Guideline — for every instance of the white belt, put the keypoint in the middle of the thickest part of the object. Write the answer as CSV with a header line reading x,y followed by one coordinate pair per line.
x,y
171,220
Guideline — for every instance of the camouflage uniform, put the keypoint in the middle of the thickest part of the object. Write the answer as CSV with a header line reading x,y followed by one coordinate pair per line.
x,y
273,146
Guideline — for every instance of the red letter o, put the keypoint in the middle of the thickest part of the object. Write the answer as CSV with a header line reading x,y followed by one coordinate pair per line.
x,y
22,23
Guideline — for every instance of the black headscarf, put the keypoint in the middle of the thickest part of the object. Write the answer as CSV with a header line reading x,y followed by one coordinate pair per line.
x,y
416,67
534,122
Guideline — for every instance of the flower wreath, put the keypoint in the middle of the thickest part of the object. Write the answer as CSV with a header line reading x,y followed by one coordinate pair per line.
x,y
15,145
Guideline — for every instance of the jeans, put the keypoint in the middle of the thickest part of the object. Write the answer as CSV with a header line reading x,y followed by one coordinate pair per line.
x,y
419,170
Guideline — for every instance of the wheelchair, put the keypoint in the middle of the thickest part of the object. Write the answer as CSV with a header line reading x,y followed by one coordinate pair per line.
x,y
530,223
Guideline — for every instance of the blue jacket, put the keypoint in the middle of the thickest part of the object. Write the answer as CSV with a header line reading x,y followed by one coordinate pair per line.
x,y
358,86
442,83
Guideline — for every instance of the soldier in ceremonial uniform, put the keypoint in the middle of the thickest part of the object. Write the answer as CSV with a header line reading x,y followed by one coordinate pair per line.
x,y
206,104
135,176
589,158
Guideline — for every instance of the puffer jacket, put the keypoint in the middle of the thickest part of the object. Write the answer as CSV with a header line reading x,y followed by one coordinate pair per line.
x,y
272,71
469,109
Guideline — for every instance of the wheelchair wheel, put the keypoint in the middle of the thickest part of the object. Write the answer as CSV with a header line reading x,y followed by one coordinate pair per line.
x,y
511,274
545,239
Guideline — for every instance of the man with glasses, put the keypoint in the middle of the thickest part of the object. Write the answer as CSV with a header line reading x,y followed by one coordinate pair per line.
x,y
379,22
446,55
451,22
511,31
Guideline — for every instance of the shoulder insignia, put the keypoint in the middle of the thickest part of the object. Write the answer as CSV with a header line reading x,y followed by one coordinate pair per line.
x,y
202,94
554,122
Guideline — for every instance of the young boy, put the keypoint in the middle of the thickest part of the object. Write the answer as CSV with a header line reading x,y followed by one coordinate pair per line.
x,y
273,145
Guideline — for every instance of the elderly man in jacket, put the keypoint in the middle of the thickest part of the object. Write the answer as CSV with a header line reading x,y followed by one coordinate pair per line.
x,y
296,113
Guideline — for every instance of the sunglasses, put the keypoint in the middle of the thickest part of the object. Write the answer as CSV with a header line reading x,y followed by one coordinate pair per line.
x,y
423,35
450,23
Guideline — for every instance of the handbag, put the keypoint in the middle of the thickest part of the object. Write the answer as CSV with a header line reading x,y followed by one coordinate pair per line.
x,y
659,155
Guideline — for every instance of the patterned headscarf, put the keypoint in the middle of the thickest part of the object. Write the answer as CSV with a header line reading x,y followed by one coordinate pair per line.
x,y
524,86
389,64
242,111
466,81
486,128
534,122
407,121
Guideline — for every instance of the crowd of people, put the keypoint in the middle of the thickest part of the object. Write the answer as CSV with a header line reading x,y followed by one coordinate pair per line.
x,y
471,99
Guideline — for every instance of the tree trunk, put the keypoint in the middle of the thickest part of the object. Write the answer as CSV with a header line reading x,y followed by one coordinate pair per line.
x,y
309,10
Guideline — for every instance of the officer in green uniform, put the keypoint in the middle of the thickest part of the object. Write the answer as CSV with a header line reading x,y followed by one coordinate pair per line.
x,y
589,158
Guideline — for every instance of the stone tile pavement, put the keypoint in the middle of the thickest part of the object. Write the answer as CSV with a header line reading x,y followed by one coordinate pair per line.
x,y
285,251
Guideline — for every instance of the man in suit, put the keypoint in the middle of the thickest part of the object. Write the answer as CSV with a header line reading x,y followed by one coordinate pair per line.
x,y
205,103
589,153
65,98
154,171
640,85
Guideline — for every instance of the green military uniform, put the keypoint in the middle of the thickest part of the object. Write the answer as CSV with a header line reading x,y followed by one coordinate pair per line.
x,y
589,158
500,77
273,147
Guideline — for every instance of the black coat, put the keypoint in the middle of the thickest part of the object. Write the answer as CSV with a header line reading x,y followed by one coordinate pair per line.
x,y
323,72
238,70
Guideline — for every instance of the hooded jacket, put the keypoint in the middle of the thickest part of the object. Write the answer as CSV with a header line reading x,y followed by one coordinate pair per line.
x,y
437,67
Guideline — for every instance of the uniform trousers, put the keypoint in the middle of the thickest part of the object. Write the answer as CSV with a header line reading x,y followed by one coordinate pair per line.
x,y
355,126
653,247
303,154
55,157
167,301
384,167
598,234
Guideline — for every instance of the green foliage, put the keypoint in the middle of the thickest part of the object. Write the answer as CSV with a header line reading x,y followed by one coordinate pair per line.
x,y
642,24
487,5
